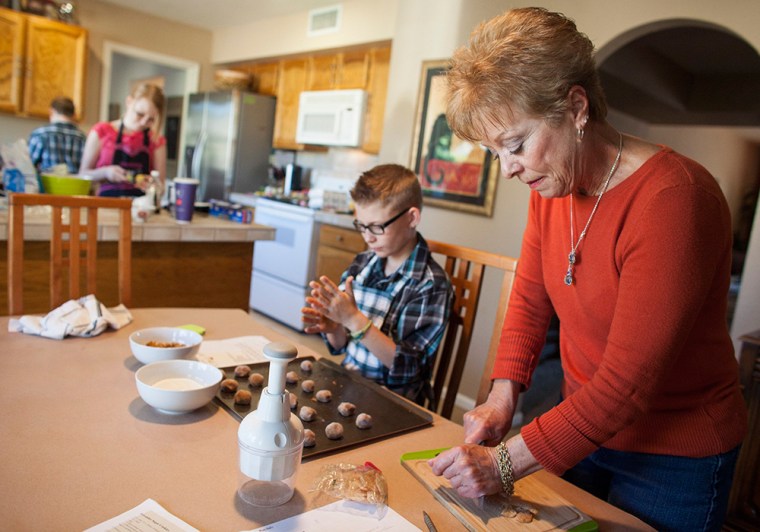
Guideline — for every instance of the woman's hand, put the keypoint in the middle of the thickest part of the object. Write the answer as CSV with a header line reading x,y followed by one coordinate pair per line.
x,y
114,173
472,470
490,422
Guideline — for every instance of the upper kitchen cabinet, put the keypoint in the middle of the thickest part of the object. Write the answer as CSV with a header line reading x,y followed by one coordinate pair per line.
x,y
265,77
377,88
322,72
344,70
292,80
12,34
40,59
354,70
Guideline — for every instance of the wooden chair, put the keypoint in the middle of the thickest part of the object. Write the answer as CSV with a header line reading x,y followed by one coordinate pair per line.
x,y
465,267
73,246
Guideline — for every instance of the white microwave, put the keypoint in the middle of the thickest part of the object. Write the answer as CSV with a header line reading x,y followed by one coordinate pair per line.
x,y
331,118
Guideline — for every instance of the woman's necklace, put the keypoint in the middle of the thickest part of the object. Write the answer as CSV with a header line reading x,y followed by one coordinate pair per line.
x,y
572,257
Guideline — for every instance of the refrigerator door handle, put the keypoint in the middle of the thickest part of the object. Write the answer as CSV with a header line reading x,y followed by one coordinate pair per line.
x,y
195,166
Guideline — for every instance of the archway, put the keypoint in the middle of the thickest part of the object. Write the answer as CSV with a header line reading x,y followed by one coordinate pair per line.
x,y
696,83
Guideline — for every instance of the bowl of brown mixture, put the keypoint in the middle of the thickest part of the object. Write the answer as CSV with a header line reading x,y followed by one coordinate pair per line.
x,y
164,343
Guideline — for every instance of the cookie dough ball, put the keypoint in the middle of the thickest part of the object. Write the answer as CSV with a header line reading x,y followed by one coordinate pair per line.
x,y
242,371
256,380
334,431
524,517
307,385
309,438
324,396
242,397
291,377
346,409
307,413
363,421
293,399
229,385
307,366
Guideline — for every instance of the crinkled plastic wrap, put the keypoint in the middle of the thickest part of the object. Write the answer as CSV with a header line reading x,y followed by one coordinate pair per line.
x,y
360,483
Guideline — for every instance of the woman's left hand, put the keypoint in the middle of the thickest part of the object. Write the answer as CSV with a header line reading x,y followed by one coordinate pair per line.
x,y
472,470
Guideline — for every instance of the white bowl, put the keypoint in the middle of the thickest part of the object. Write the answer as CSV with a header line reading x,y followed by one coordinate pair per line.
x,y
146,354
177,386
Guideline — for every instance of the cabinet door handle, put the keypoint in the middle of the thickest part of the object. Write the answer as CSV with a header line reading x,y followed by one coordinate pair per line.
x,y
339,238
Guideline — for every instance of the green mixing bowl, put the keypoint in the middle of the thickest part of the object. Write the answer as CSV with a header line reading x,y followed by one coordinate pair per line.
x,y
65,185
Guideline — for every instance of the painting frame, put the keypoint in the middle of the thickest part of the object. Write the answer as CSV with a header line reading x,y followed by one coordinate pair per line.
x,y
453,173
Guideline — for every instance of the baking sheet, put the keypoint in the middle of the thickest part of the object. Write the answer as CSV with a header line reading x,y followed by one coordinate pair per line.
x,y
390,413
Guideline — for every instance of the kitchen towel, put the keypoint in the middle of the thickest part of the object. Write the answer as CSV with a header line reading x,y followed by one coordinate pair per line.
x,y
84,317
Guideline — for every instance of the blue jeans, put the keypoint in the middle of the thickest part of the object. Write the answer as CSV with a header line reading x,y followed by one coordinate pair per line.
x,y
667,492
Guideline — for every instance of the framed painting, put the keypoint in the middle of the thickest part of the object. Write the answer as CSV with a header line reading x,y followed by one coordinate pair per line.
x,y
454,173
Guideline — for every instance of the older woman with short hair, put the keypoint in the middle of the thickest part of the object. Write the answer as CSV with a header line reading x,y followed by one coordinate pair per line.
x,y
630,243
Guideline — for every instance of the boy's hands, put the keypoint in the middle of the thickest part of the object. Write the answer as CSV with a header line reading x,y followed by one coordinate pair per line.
x,y
331,307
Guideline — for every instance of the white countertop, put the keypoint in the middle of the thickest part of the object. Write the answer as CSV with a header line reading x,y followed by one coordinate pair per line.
x,y
320,216
158,228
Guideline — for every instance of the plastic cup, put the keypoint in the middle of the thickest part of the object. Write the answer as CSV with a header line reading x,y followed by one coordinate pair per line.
x,y
184,202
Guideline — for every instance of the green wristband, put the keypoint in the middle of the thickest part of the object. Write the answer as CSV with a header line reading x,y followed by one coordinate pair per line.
x,y
358,335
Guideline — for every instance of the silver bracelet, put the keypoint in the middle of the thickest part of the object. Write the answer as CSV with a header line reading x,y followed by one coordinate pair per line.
x,y
505,469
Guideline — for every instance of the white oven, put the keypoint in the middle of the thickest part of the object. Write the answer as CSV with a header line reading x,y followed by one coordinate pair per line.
x,y
283,267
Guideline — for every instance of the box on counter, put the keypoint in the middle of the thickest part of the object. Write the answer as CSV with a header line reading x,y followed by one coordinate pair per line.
x,y
233,212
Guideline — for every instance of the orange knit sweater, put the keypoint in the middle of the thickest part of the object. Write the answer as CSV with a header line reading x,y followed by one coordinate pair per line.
x,y
648,361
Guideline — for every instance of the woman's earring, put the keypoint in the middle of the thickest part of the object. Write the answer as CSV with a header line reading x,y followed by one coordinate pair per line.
x,y
579,134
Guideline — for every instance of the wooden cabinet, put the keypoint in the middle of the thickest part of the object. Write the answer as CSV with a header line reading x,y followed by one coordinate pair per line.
x,y
322,72
744,502
265,77
40,59
354,70
344,70
377,88
12,38
337,248
291,82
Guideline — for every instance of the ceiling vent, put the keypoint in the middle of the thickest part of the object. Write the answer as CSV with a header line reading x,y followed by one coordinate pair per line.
x,y
324,20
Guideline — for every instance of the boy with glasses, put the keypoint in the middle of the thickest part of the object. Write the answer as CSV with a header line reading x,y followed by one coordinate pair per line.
x,y
390,310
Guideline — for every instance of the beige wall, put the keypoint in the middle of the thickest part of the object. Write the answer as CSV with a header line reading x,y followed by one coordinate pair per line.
x,y
362,21
432,29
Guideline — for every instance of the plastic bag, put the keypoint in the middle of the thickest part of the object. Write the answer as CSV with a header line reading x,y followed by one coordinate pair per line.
x,y
16,160
360,483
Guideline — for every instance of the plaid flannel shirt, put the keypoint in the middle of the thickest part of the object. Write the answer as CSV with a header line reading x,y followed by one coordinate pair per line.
x,y
416,319
56,143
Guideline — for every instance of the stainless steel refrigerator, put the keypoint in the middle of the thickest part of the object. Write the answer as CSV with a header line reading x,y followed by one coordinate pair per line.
x,y
228,140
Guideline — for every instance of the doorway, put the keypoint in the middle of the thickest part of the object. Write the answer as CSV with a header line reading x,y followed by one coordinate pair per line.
x,y
692,85
124,65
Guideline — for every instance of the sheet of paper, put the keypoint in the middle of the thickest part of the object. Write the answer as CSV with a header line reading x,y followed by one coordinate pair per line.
x,y
233,351
148,516
342,516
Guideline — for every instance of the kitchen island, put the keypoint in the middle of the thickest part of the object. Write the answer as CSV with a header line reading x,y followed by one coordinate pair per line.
x,y
206,263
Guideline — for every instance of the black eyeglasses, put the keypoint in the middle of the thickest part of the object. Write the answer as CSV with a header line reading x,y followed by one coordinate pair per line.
x,y
378,229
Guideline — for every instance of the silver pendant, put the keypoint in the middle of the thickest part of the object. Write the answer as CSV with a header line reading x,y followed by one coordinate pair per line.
x,y
569,276
571,257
